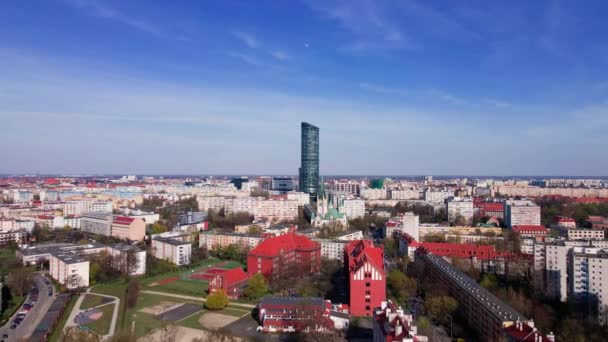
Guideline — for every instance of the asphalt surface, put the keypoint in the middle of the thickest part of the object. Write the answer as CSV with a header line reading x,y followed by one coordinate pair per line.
x,y
180,312
32,319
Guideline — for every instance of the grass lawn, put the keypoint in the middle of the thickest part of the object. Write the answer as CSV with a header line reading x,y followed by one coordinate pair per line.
x,y
102,325
192,321
183,287
145,299
119,290
145,323
233,312
90,301
59,328
13,306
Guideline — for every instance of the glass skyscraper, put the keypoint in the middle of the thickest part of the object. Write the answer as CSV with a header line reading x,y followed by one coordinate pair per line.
x,y
309,164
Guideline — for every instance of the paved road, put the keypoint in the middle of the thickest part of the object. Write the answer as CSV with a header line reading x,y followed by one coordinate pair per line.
x,y
76,310
26,328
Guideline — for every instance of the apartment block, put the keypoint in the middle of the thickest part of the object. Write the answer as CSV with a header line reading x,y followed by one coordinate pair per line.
x,y
352,208
128,228
585,234
99,223
589,278
460,207
173,250
128,259
521,213
214,239
70,270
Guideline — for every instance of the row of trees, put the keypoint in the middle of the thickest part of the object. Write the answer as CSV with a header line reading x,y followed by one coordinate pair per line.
x,y
220,220
550,208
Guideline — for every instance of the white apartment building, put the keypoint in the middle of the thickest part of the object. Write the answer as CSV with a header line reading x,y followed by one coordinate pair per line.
x,y
589,278
173,250
276,209
352,187
521,213
78,207
374,194
70,270
211,239
301,197
97,223
331,249
585,234
410,194
460,207
437,196
240,204
148,217
215,203
350,235
126,257
352,208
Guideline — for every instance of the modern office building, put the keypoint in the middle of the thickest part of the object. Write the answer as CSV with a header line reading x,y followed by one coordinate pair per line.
x,y
282,184
309,165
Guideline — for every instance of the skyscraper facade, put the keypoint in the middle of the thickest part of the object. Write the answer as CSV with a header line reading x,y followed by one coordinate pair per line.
x,y
309,165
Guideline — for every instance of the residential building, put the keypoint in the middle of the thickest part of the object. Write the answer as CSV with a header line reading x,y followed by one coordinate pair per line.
x,y
294,314
173,250
241,205
213,239
215,203
392,324
345,186
33,255
484,312
99,223
530,231
589,278
352,208
460,208
19,236
374,194
521,213
585,234
147,217
309,160
410,194
364,265
69,269
301,197
284,256
490,209
282,184
128,259
276,209
128,228
332,249
232,282
567,222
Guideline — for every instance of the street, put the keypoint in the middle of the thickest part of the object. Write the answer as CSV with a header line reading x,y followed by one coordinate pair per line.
x,y
32,319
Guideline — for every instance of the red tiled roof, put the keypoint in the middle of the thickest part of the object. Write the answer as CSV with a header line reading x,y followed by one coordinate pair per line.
x,y
287,242
521,331
362,251
123,220
46,217
235,275
530,228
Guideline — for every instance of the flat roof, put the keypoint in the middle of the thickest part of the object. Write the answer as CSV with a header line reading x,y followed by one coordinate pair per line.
x,y
492,303
57,248
172,241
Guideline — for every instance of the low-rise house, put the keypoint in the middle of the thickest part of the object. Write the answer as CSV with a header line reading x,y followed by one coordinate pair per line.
x,y
292,314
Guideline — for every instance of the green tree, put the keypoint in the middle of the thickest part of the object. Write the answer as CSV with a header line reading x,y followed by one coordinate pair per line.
x,y
157,228
441,306
401,287
256,287
132,292
216,301
489,281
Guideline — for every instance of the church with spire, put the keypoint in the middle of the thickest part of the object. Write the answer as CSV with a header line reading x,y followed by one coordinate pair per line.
x,y
326,213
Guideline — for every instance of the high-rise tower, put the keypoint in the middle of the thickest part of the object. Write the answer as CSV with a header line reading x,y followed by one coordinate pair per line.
x,y
309,164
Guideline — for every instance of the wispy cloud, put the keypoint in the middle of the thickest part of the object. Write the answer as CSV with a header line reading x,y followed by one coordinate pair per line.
x,y
280,55
446,97
245,58
102,10
367,20
498,103
247,38
382,89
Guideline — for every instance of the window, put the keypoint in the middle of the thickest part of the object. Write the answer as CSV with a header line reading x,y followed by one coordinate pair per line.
x,y
367,284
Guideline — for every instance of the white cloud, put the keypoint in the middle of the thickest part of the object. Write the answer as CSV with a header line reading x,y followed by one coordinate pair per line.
x,y
102,10
245,58
247,38
280,55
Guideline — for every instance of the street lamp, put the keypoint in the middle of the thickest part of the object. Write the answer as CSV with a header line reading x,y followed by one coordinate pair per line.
x,y
450,316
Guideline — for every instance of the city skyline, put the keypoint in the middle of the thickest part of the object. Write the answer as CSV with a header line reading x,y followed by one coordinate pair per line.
x,y
398,88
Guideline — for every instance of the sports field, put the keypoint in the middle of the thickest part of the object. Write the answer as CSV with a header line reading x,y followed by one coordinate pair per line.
x,y
192,282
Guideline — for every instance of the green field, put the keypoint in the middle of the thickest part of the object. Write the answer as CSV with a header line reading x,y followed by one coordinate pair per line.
x,y
91,301
117,290
102,325
184,285
145,299
191,322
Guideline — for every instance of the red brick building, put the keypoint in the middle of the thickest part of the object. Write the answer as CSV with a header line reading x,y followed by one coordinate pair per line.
x,y
231,281
285,255
364,265
489,209
531,230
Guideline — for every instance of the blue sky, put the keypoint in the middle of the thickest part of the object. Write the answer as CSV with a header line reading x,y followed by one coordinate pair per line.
x,y
396,87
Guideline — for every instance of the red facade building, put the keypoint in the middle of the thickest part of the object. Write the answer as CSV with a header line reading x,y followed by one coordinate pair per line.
x,y
364,265
284,255
232,282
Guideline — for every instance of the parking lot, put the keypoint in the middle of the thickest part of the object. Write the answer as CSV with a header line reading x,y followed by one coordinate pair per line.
x,y
24,321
